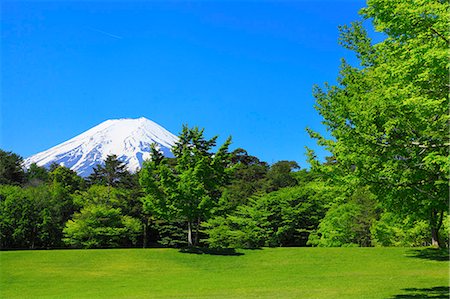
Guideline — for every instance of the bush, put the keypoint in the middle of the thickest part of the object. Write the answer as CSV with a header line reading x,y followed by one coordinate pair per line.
x,y
392,230
98,226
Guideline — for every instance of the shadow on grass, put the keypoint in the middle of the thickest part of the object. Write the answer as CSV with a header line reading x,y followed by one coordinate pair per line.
x,y
436,292
434,254
210,251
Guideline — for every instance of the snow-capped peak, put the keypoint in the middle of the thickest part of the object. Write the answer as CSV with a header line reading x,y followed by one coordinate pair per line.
x,y
129,139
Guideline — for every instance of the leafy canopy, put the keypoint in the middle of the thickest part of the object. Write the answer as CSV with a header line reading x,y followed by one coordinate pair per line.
x,y
190,188
388,117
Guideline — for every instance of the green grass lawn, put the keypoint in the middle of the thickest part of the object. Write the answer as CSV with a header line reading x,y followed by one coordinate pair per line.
x,y
266,273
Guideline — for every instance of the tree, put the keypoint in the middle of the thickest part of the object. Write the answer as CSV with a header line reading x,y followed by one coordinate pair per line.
x,y
97,226
393,230
284,217
11,172
280,175
18,218
101,221
36,175
191,188
248,178
388,117
33,217
112,173
66,178
348,223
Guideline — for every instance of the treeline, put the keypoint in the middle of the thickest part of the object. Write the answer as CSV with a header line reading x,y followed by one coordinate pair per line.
x,y
56,208
202,197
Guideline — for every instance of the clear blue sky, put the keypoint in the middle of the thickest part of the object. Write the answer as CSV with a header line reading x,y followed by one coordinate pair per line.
x,y
244,69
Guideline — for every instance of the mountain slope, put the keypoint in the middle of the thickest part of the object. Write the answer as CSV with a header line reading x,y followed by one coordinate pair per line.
x,y
129,139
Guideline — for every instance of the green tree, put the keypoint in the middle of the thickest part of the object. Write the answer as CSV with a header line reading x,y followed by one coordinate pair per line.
x,y
33,217
284,217
191,188
101,221
388,117
280,175
394,230
245,228
248,178
112,173
18,218
348,223
36,175
121,183
97,226
66,178
11,172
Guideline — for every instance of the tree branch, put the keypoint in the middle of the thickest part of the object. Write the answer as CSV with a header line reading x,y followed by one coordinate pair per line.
x,y
440,35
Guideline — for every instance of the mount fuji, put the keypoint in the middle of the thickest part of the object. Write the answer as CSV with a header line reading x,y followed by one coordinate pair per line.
x,y
129,139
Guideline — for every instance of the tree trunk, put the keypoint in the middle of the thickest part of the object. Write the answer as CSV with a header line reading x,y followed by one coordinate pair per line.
x,y
434,237
144,241
196,232
190,234
33,234
435,225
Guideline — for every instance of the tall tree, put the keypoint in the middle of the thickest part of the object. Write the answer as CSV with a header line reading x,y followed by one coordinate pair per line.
x,y
248,178
191,188
112,173
280,175
66,178
33,217
36,175
389,116
11,171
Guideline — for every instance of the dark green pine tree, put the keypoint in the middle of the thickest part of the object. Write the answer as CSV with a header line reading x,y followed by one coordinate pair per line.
x,y
112,173
11,172
36,175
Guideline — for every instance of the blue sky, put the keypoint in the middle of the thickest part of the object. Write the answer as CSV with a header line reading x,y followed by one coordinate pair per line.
x,y
239,68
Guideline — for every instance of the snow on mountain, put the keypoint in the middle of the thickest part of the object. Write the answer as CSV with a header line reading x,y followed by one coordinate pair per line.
x,y
129,139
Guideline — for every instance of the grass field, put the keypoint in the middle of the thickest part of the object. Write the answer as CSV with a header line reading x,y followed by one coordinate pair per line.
x,y
266,273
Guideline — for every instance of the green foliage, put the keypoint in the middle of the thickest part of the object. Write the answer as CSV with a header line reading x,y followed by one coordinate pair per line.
x,y
281,218
36,175
190,189
101,195
388,117
169,233
336,229
11,172
18,218
97,226
280,175
248,178
347,224
236,231
33,217
101,221
251,176
112,173
67,178
393,230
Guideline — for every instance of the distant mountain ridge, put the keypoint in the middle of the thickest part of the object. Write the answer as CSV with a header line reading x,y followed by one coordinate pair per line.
x,y
129,139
